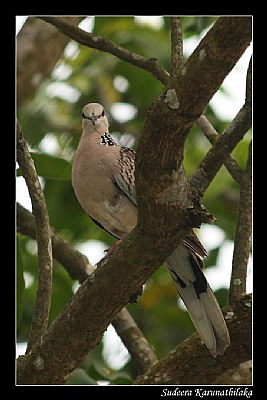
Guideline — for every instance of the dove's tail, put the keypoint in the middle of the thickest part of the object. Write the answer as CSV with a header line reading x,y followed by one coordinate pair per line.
x,y
204,310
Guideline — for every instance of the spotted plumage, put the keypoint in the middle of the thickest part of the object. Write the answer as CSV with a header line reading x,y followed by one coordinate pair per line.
x,y
104,183
107,140
125,178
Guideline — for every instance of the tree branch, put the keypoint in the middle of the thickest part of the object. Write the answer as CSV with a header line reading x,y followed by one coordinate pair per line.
x,y
240,375
74,262
222,148
231,164
96,303
249,83
98,42
91,310
226,143
243,235
176,45
169,120
78,267
142,354
190,361
204,71
44,287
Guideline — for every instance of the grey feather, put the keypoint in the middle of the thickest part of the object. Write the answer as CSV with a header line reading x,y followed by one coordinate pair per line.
x,y
199,299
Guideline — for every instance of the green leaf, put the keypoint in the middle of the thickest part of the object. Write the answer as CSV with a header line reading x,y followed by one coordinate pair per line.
x,y
50,167
163,322
20,281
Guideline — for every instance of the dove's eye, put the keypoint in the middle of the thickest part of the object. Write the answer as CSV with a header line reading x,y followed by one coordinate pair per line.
x,y
103,113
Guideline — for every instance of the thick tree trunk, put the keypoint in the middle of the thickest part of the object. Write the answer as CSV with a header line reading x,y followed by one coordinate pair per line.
x,y
168,206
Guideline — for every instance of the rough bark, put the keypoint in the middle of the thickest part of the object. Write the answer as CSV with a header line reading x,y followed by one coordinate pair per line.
x,y
176,45
191,364
90,311
170,118
161,225
230,163
44,244
78,267
75,263
242,235
240,375
226,143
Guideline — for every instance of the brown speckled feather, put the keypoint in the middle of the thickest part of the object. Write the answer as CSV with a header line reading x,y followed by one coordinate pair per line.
x,y
125,179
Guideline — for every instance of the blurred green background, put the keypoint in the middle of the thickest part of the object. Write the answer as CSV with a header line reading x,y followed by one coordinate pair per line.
x,y
51,122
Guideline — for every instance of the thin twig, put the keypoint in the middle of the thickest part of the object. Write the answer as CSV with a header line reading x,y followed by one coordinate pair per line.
x,y
242,236
94,306
134,341
176,45
231,164
234,132
78,267
106,45
224,146
44,287
215,157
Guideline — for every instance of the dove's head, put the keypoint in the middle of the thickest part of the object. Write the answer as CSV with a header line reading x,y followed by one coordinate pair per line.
x,y
94,118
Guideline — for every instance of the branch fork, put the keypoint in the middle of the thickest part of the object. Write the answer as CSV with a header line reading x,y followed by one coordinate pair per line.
x,y
167,129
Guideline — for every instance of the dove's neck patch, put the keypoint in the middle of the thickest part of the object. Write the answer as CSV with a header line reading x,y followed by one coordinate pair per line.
x,y
107,140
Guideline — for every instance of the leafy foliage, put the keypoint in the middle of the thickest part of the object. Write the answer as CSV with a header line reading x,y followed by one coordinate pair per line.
x,y
54,113
50,167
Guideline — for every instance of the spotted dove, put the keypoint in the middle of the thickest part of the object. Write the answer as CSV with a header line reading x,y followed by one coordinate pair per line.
x,y
103,181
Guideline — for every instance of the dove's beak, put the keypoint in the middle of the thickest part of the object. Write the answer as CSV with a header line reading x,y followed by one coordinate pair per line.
x,y
93,118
